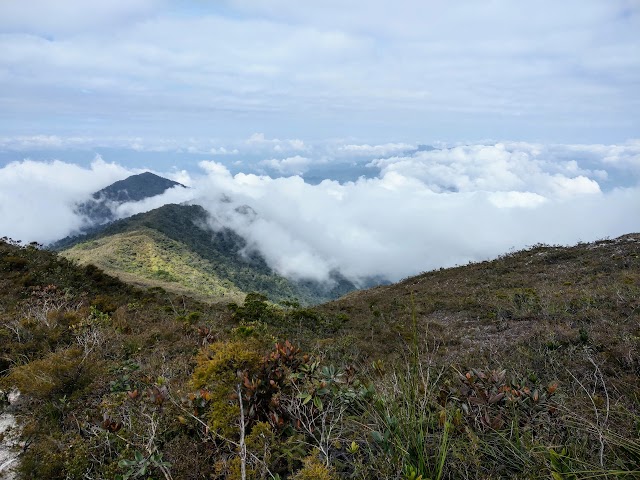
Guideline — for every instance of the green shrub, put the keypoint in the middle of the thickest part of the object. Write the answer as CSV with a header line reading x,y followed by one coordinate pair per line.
x,y
13,263
58,373
256,308
220,369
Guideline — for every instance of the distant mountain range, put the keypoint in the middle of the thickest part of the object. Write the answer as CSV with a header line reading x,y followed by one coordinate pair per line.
x,y
172,247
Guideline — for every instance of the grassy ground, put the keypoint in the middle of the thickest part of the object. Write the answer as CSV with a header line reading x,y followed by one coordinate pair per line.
x,y
524,367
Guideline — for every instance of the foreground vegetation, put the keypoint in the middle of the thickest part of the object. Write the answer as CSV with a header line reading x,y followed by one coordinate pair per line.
x,y
524,367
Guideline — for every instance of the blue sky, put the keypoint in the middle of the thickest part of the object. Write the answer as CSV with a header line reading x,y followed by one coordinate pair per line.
x,y
317,114
377,71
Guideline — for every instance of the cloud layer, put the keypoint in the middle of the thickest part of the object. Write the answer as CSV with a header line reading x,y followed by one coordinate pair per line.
x,y
422,69
425,208
37,199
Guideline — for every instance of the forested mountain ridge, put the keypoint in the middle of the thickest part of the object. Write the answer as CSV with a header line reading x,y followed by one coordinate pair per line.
x,y
221,253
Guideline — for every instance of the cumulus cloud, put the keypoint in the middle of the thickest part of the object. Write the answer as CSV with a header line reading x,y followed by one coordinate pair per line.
x,y
37,199
288,166
625,156
497,167
223,151
423,210
381,150
259,140
397,226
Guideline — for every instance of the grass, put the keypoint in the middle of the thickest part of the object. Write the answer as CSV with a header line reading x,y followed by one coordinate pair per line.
x,y
553,295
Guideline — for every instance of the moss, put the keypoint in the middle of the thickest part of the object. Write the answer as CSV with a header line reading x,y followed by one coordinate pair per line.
x,y
219,370
314,469
44,459
60,456
58,373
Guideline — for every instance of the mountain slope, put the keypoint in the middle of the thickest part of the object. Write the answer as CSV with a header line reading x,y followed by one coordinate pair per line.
x,y
542,295
145,257
136,188
222,250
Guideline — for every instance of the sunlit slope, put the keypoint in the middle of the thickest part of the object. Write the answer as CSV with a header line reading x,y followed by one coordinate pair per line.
x,y
146,257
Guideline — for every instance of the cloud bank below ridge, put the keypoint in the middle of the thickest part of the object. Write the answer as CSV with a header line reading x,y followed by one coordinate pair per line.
x,y
424,209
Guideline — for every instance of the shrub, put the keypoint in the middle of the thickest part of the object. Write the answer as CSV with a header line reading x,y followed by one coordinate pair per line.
x,y
58,373
220,368
15,264
256,308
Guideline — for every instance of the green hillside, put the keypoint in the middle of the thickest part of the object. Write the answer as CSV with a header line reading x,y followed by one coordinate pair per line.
x,y
527,367
145,257
184,228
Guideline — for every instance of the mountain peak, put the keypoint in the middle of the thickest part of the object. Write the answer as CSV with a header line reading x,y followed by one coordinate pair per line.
x,y
136,188
98,209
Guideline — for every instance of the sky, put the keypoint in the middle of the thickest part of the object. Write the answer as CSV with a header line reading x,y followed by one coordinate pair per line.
x,y
408,70
380,138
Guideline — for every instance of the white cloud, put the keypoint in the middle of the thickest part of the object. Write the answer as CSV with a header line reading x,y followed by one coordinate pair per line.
x,y
43,142
422,211
625,156
410,218
180,176
176,194
63,17
223,151
258,140
37,199
373,150
501,167
366,228
516,199
419,68
431,19
297,144
289,166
